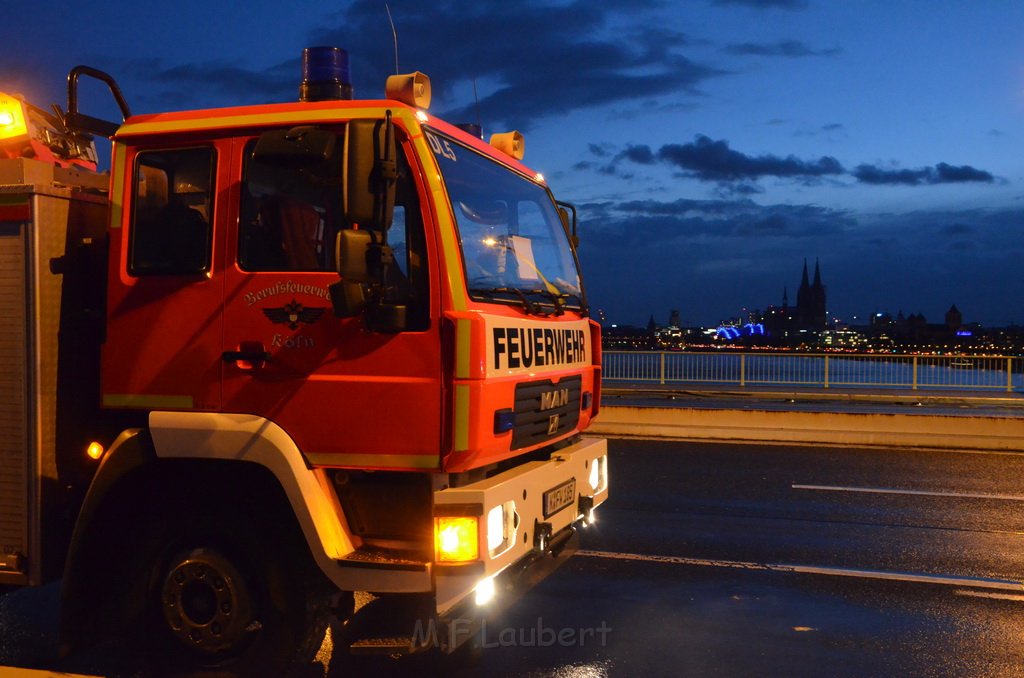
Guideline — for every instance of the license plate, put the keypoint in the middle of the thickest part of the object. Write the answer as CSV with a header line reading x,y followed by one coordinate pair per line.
x,y
557,498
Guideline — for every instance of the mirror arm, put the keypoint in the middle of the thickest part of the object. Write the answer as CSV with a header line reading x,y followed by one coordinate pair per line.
x,y
571,208
387,176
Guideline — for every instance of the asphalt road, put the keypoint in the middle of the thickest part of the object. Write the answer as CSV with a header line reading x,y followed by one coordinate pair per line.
x,y
746,560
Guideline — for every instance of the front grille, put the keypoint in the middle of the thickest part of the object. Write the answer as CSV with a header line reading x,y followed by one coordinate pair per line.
x,y
538,402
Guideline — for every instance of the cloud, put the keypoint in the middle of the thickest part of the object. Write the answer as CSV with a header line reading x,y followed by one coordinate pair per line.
x,y
710,160
786,48
765,4
526,60
210,83
526,63
948,174
956,229
942,173
641,155
685,218
709,258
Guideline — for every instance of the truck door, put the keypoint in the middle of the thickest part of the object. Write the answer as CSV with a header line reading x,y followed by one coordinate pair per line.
x,y
162,349
348,397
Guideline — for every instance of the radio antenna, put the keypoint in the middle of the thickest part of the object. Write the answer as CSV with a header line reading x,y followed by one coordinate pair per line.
x,y
394,35
476,102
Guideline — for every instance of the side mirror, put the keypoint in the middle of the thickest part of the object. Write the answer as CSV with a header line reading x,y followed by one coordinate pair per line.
x,y
361,256
295,147
350,252
371,171
348,295
569,223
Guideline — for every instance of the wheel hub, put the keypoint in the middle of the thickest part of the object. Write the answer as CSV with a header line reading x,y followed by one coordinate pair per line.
x,y
205,602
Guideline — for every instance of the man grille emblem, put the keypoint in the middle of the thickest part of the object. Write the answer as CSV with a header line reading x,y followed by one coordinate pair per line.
x,y
552,424
549,400
293,313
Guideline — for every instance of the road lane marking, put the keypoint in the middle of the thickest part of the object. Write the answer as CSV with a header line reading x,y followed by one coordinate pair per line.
x,y
922,493
878,575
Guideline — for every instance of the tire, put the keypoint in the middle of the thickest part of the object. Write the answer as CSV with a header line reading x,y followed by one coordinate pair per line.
x,y
229,592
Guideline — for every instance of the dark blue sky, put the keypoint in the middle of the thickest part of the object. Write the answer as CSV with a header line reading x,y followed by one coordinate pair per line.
x,y
711,144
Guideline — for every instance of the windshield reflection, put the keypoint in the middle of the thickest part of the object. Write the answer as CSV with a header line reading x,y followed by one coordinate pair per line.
x,y
514,247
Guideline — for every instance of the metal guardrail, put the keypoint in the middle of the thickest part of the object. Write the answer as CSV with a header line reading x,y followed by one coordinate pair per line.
x,y
915,371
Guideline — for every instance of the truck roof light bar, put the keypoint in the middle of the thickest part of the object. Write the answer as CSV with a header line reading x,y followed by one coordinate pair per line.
x,y
30,132
13,127
325,74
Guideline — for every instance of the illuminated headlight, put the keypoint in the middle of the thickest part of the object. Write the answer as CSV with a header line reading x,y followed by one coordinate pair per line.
x,y
501,528
485,591
456,539
598,478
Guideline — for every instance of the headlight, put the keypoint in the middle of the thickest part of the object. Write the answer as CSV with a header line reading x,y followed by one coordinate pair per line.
x,y
485,591
501,528
495,528
598,473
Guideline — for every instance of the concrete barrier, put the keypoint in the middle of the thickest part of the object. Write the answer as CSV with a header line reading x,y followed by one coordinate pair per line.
x,y
884,430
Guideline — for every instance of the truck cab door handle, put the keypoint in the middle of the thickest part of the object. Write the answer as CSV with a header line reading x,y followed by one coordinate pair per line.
x,y
250,355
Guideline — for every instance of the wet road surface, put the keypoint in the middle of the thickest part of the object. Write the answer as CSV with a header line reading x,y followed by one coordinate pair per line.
x,y
743,560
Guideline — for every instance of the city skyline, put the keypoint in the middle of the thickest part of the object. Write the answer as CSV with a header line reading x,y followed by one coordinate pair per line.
x,y
790,296
708,145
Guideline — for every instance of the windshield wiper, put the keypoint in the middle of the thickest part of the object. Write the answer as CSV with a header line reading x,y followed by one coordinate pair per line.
x,y
528,306
558,299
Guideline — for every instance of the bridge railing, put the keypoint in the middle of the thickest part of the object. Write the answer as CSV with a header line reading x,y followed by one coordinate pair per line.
x,y
913,371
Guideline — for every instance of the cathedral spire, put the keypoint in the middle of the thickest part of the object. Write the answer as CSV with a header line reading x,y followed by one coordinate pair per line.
x,y
817,272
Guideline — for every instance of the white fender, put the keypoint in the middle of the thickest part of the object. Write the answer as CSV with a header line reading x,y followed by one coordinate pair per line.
x,y
246,437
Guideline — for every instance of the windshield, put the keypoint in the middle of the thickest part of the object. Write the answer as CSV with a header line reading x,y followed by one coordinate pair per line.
x,y
514,247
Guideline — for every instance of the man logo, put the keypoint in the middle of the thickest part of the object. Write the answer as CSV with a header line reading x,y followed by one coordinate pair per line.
x,y
549,400
552,424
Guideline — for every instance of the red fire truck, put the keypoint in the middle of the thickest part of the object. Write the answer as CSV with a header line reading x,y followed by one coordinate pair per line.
x,y
280,358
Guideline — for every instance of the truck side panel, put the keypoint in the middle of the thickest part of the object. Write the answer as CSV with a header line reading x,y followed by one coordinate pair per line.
x,y
15,423
34,230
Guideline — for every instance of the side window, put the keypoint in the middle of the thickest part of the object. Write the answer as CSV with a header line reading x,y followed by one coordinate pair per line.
x,y
173,202
290,217
289,214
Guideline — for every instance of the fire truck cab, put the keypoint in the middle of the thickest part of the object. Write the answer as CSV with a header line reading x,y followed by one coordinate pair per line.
x,y
331,347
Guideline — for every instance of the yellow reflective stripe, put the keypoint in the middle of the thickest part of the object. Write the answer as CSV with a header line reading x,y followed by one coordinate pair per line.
x,y
178,402
463,336
424,461
461,435
451,254
258,120
117,190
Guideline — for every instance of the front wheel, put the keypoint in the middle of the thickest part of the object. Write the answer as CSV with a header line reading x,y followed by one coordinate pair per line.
x,y
228,594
